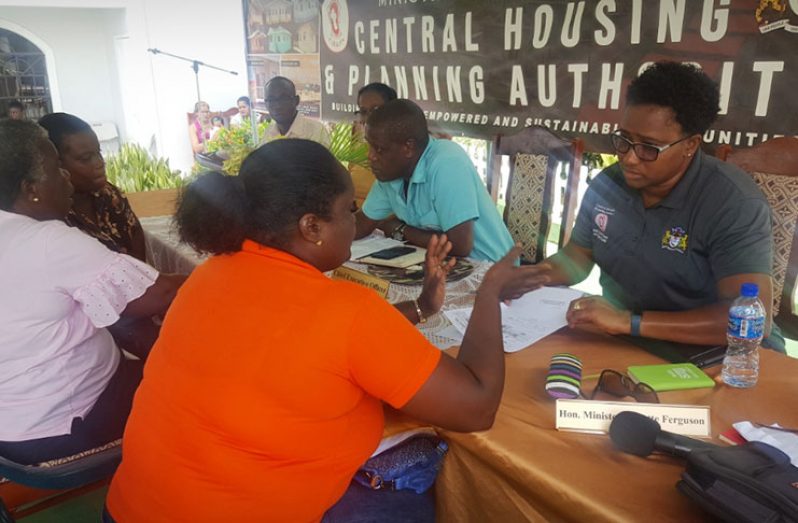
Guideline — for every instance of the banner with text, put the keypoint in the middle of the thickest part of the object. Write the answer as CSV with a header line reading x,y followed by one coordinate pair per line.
x,y
484,67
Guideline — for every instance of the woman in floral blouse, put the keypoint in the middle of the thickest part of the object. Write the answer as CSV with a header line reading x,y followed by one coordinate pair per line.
x,y
99,209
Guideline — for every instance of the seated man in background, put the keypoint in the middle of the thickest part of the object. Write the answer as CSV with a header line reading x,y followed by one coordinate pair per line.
x,y
282,102
674,231
430,186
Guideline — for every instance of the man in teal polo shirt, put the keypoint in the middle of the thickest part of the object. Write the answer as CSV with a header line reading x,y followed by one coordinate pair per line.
x,y
430,186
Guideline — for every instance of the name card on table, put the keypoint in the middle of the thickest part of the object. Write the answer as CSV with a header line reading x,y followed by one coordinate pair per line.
x,y
361,278
596,416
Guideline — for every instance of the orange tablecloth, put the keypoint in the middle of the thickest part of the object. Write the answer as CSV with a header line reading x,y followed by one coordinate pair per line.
x,y
523,469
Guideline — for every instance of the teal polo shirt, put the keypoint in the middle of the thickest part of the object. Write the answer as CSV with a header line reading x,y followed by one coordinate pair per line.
x,y
444,191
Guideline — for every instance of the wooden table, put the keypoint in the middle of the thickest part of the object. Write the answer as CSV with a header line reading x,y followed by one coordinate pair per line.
x,y
523,469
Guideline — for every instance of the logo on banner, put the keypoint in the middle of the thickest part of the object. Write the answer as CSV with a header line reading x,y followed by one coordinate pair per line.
x,y
335,24
675,240
773,14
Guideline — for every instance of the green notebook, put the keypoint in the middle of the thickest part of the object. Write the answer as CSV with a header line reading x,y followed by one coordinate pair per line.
x,y
671,376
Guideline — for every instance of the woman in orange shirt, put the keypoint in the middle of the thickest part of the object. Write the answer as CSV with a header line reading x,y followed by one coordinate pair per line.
x,y
263,394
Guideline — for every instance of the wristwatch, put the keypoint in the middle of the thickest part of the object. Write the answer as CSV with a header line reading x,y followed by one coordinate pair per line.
x,y
399,232
634,327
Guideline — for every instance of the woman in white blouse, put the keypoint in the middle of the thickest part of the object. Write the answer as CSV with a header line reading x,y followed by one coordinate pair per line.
x,y
64,385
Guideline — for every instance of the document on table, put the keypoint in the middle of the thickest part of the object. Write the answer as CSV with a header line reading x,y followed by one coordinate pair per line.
x,y
527,319
786,442
371,244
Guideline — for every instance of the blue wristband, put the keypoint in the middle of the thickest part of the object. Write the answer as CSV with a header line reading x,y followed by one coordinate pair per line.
x,y
634,328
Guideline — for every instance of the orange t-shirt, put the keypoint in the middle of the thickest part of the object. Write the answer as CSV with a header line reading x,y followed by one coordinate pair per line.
x,y
262,396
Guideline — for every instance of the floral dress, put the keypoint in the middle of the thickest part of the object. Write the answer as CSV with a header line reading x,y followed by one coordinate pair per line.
x,y
113,223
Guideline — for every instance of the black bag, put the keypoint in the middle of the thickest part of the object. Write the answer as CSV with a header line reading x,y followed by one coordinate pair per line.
x,y
754,482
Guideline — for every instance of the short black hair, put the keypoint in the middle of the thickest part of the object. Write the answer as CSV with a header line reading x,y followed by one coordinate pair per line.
x,y
401,120
280,80
684,88
20,158
278,183
16,104
61,125
386,92
244,99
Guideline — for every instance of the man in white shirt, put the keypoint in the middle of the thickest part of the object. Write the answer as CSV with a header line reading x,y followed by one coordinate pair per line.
x,y
282,102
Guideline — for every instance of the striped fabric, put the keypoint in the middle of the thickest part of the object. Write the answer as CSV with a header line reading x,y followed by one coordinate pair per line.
x,y
565,376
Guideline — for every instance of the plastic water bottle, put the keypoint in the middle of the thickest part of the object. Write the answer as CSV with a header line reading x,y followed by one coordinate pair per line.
x,y
744,334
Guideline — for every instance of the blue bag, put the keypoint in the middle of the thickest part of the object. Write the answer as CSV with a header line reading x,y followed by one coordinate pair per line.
x,y
413,464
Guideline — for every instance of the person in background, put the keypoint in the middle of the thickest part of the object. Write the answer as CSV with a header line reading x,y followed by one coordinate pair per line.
x,y
244,109
99,208
282,102
199,131
675,231
268,373
430,186
65,387
16,111
370,97
217,124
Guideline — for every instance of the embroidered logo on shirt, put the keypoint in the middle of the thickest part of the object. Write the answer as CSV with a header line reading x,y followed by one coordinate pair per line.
x,y
675,240
601,220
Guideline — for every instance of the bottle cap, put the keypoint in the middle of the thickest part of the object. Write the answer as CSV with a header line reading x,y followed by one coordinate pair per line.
x,y
749,290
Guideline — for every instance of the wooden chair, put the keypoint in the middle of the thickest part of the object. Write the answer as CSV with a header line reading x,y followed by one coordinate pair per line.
x,y
774,166
362,179
537,155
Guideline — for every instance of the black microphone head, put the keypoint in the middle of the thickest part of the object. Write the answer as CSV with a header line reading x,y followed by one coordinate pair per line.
x,y
634,433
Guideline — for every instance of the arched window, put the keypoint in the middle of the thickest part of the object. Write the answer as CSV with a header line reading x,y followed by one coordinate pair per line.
x,y
23,76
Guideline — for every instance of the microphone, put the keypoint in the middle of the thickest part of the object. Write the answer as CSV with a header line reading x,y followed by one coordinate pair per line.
x,y
636,434
565,376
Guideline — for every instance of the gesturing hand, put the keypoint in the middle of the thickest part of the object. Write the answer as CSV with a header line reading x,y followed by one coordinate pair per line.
x,y
510,281
436,267
597,312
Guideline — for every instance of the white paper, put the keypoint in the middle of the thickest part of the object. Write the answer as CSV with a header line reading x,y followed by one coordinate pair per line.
x,y
527,319
787,442
371,244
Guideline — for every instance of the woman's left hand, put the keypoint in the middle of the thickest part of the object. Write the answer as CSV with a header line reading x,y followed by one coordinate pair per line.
x,y
597,312
436,267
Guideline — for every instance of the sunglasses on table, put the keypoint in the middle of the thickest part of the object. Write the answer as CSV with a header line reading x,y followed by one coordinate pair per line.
x,y
616,384
645,151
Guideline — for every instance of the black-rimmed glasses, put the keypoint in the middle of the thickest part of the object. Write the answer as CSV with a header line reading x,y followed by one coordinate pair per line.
x,y
617,384
645,151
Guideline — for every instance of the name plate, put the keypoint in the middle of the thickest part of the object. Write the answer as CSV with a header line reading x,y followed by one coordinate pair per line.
x,y
596,416
361,278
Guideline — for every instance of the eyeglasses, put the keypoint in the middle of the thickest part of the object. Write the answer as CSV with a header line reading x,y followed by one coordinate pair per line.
x,y
617,384
645,151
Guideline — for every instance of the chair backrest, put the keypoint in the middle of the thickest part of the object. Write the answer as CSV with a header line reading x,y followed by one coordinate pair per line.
x,y
537,157
362,179
26,489
774,166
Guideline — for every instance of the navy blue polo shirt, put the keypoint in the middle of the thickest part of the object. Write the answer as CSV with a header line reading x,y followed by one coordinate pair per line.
x,y
715,223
